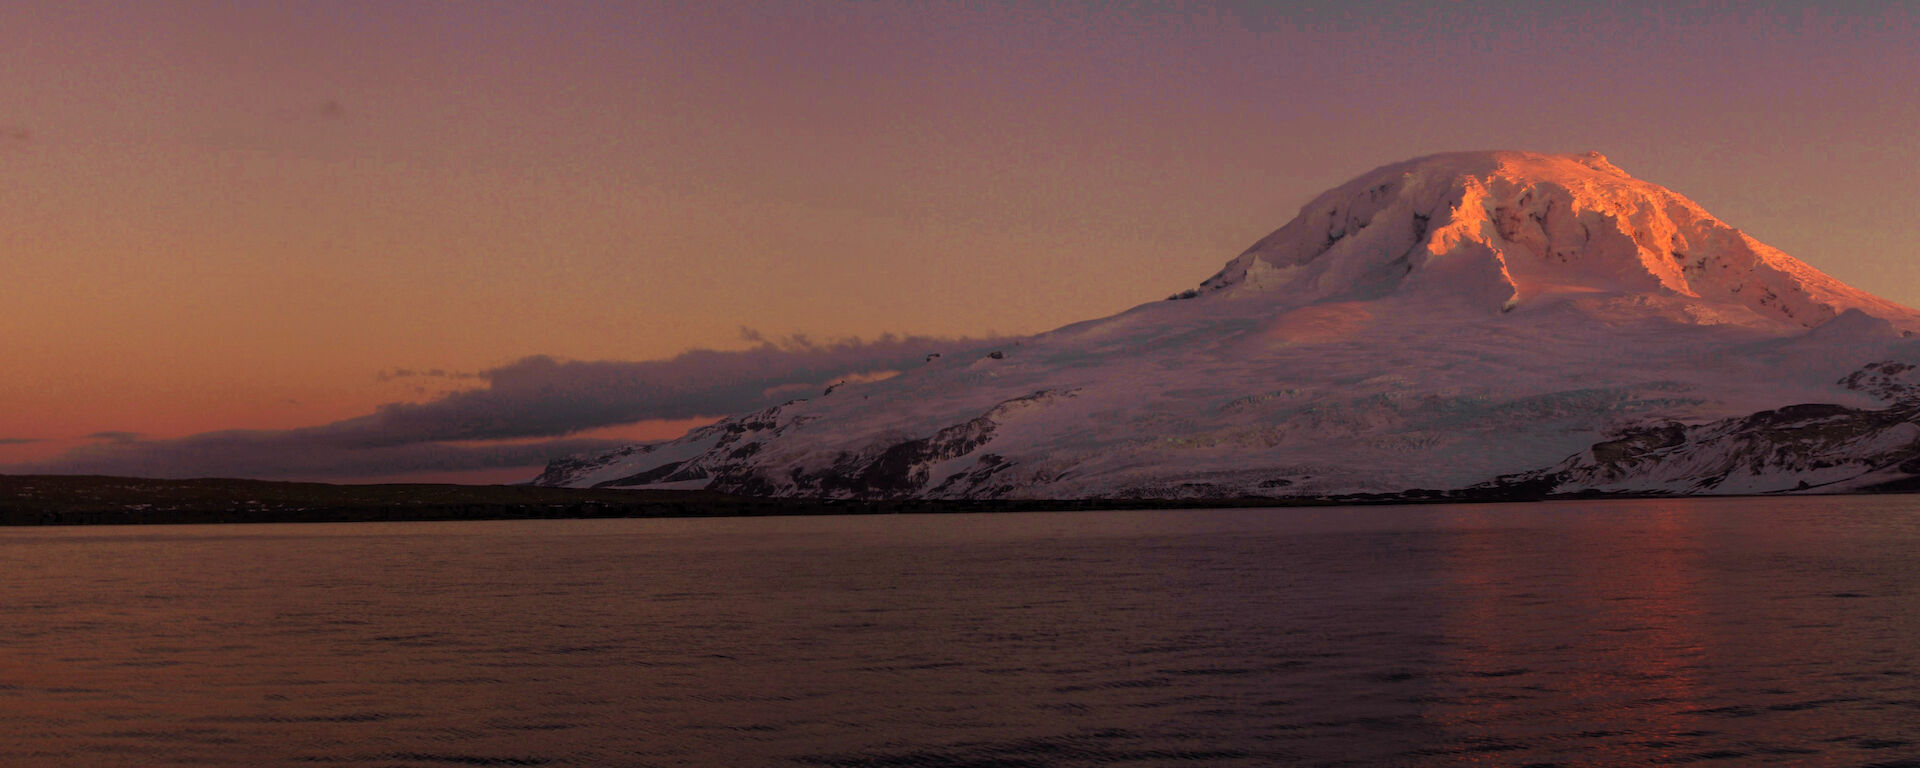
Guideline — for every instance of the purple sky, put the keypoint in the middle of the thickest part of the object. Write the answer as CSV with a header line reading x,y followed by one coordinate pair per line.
x,y
225,216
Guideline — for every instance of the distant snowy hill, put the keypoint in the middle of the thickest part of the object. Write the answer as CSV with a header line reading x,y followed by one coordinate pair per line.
x,y
1474,320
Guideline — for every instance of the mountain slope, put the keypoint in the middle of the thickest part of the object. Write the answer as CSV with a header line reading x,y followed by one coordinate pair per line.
x,y
1432,324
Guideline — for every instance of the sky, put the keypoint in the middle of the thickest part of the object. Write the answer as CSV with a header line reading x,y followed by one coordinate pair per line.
x,y
435,240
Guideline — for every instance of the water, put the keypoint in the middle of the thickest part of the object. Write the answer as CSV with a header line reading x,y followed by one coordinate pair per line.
x,y
1746,630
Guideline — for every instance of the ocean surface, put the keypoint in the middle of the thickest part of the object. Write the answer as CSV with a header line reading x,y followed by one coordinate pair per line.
x,y
1738,631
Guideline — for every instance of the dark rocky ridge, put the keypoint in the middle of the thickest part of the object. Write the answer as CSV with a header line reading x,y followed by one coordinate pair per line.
x,y
1802,447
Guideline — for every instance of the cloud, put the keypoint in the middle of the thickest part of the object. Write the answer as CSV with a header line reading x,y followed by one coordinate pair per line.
x,y
14,136
536,401
331,110
542,396
118,437
21,440
432,373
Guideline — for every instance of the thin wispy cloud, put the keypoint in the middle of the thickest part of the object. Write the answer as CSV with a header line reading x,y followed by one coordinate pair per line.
x,y
14,136
537,402
431,373
21,440
115,436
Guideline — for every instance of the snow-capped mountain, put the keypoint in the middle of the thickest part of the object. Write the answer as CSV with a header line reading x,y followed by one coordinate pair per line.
x,y
1488,319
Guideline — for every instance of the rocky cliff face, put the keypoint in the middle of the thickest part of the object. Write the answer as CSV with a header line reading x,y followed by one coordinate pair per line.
x,y
1811,447
1548,321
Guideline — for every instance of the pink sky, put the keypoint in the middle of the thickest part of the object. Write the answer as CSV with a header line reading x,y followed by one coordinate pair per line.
x,y
222,216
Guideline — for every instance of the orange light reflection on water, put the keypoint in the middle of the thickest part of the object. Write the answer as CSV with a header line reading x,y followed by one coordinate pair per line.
x,y
1629,627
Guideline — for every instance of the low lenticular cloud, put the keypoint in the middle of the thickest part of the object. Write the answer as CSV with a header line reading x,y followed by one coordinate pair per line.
x,y
542,396
21,440
525,401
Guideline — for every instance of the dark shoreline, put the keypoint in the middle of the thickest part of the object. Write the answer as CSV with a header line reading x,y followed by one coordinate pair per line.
x,y
58,500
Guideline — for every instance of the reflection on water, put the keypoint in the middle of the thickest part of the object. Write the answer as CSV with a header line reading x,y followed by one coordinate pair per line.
x,y
1755,630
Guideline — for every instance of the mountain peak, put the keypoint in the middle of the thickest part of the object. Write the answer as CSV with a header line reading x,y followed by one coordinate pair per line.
x,y
1502,230
1598,162
1363,348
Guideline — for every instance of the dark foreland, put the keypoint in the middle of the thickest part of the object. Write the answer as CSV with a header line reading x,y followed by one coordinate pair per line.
x,y
100,500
